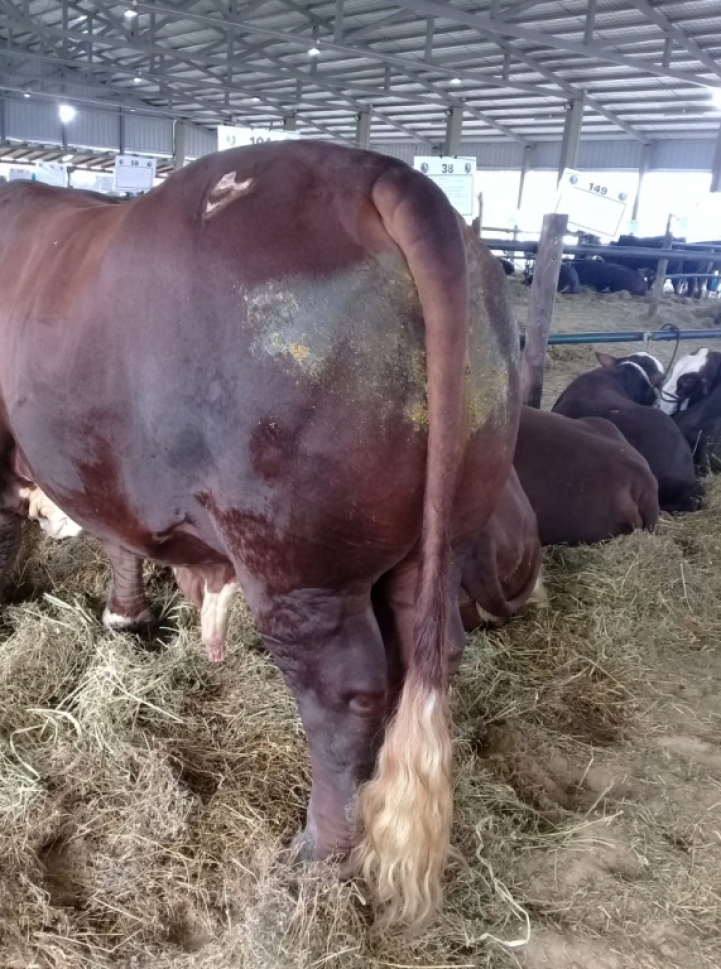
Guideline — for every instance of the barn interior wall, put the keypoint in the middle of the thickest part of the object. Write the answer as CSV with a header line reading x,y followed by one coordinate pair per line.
x,y
37,122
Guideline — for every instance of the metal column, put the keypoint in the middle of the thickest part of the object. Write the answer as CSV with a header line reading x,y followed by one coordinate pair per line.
x,y
642,169
363,129
454,125
180,132
525,165
716,166
571,135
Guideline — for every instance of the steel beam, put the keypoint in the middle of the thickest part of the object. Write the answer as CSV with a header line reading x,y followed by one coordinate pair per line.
x,y
430,29
590,22
676,34
571,136
363,129
643,164
502,28
180,140
716,165
454,126
525,166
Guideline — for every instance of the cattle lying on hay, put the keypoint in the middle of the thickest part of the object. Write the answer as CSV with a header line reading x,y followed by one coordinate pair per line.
x,y
584,481
624,391
296,361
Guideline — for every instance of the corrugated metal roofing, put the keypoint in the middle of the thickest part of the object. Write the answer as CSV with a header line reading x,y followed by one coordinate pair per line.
x,y
645,66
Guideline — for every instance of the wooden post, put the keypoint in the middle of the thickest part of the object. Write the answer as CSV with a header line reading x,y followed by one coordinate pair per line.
x,y
661,269
480,214
540,306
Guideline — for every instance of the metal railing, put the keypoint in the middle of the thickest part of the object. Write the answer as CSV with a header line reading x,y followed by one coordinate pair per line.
x,y
653,255
630,336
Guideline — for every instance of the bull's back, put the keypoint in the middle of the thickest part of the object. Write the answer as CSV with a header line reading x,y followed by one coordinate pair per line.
x,y
249,331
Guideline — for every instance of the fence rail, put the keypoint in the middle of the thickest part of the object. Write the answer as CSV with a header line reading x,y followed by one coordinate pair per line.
x,y
629,336
652,254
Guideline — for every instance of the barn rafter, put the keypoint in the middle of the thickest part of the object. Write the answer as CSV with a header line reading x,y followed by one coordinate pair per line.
x,y
642,69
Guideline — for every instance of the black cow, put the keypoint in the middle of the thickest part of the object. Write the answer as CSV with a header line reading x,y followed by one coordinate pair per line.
x,y
700,424
623,391
688,270
567,279
610,277
508,267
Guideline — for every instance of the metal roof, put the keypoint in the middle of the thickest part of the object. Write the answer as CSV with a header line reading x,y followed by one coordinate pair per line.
x,y
644,67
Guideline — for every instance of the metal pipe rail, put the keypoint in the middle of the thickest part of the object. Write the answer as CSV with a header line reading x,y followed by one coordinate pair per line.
x,y
629,336
653,254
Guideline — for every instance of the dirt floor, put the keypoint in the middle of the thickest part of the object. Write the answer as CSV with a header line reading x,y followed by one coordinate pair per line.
x,y
145,795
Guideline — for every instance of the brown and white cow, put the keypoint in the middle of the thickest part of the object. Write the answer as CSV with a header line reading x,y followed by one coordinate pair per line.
x,y
624,391
584,481
692,395
693,377
295,361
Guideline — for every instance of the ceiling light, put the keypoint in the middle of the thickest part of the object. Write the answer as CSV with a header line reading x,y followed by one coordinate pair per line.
x,y
314,52
26,95
255,100
137,80
130,14
455,81
66,112
715,93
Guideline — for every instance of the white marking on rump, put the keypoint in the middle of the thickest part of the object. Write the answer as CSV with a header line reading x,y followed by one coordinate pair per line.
x,y
214,620
53,520
225,191
691,363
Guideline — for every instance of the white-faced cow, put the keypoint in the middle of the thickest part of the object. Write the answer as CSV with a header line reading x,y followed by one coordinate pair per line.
x,y
692,395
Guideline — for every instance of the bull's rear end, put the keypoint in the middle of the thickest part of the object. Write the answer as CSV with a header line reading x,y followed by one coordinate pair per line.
x,y
295,359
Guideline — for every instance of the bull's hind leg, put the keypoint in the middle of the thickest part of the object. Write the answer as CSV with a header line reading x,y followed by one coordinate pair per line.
x,y
127,605
330,651
394,602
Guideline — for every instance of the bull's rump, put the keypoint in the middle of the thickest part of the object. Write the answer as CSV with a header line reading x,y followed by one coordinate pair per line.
x,y
263,357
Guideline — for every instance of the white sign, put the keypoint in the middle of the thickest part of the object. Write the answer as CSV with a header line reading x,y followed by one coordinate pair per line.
x,y
134,173
235,137
455,177
20,175
590,205
51,173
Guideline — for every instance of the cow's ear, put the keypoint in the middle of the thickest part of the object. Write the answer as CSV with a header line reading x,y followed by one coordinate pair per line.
x,y
656,378
606,359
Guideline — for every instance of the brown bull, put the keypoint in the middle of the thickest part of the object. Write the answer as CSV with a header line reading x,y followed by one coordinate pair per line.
x,y
295,362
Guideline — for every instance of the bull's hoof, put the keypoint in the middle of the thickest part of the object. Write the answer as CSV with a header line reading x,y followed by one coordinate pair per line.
x,y
304,850
120,623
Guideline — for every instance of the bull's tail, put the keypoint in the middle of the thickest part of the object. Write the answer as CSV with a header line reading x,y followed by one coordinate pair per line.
x,y
407,807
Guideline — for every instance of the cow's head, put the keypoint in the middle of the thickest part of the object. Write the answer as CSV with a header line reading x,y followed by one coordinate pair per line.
x,y
692,379
639,375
